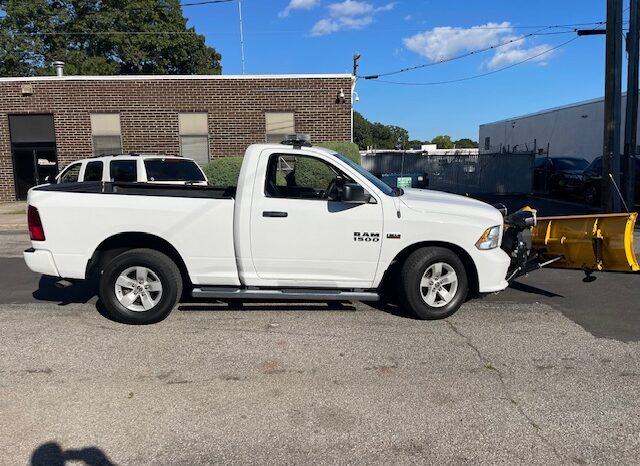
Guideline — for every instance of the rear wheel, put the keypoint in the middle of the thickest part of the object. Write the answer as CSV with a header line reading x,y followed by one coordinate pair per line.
x,y
140,286
433,283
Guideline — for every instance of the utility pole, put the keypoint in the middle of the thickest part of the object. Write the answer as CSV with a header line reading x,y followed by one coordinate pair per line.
x,y
241,35
612,103
612,106
631,121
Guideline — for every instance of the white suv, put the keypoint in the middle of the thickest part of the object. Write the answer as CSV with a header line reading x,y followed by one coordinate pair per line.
x,y
134,168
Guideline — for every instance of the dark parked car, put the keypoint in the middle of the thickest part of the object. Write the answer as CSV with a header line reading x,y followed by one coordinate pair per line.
x,y
592,182
558,175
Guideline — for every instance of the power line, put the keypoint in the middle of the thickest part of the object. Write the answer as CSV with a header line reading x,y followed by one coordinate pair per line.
x,y
101,33
468,78
468,54
207,2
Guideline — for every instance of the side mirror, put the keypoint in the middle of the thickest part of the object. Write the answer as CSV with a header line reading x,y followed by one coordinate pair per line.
x,y
353,193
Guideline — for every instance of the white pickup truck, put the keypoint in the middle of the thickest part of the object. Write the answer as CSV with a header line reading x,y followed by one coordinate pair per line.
x,y
304,223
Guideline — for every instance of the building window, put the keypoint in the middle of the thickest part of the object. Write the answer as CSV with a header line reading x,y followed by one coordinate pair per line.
x,y
279,125
487,143
105,132
194,136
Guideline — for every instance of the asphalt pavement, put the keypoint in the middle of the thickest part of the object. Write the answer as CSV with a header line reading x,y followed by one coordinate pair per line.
x,y
544,373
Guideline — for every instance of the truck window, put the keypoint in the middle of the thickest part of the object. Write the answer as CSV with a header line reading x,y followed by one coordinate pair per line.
x,y
71,174
298,177
123,170
93,171
172,170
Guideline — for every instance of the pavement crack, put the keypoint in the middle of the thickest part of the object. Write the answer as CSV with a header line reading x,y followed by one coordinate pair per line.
x,y
487,364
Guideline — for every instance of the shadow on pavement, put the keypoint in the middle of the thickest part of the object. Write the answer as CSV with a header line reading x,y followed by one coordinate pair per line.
x,y
199,306
534,290
52,454
78,292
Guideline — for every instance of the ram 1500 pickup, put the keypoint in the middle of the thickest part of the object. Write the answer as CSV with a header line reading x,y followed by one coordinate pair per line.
x,y
304,223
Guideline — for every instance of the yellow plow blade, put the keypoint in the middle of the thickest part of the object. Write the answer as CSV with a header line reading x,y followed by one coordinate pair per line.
x,y
593,242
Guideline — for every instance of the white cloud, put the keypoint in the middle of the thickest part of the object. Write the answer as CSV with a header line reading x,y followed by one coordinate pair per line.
x,y
348,14
298,5
325,26
441,43
350,8
507,57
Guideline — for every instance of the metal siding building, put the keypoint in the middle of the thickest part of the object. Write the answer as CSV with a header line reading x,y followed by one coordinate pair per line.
x,y
574,130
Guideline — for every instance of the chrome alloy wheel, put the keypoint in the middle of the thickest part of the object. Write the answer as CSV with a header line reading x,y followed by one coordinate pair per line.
x,y
439,284
138,289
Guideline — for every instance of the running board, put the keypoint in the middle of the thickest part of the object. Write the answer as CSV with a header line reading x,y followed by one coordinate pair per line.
x,y
296,294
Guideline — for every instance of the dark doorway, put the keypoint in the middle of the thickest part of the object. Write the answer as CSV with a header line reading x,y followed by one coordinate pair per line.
x,y
33,149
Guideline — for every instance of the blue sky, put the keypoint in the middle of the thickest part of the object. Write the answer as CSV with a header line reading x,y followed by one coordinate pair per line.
x,y
321,36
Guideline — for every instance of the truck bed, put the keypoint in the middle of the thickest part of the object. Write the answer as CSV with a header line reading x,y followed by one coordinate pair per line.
x,y
144,189
195,220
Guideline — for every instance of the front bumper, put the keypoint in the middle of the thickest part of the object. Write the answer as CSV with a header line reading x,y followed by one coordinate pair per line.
x,y
41,261
492,269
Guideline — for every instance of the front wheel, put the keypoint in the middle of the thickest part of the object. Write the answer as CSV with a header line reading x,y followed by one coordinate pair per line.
x,y
140,286
433,283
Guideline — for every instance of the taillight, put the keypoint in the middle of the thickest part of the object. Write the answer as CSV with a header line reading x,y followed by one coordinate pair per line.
x,y
35,224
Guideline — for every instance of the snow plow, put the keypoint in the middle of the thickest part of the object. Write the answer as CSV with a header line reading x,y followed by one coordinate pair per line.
x,y
600,242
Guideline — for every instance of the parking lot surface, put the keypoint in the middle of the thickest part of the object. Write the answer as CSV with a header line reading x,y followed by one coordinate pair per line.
x,y
544,373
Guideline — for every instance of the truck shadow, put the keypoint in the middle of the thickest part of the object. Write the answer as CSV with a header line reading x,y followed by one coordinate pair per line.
x,y
78,292
264,306
52,454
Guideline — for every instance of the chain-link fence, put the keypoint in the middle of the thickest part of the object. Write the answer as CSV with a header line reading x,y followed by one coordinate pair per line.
x,y
472,174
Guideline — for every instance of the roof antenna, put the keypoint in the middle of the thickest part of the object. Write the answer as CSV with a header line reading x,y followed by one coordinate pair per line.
x,y
619,193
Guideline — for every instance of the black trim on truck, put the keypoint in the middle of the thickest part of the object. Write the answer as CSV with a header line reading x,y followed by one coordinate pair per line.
x,y
143,189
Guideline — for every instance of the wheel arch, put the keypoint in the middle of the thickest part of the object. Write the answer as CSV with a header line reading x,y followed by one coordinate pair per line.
x,y
121,242
470,266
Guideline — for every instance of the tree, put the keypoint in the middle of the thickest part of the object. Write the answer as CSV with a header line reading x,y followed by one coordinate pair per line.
x,y
399,137
416,144
443,142
378,135
361,131
101,37
466,143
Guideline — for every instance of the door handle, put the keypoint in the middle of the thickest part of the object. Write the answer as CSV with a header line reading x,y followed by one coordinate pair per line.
x,y
271,213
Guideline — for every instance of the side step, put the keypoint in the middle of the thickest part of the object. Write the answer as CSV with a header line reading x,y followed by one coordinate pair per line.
x,y
296,294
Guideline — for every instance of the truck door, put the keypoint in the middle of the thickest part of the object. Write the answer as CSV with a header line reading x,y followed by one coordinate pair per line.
x,y
303,235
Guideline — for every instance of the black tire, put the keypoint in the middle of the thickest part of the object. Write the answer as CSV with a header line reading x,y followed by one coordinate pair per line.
x,y
412,274
162,269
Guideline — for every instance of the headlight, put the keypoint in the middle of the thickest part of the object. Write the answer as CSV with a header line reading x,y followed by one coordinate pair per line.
x,y
490,239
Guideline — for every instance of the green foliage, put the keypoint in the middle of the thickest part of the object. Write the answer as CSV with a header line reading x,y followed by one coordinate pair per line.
x,y
466,143
223,171
311,173
348,149
378,135
443,142
28,44
416,144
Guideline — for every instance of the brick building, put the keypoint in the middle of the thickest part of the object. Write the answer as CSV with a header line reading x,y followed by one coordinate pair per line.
x,y
47,122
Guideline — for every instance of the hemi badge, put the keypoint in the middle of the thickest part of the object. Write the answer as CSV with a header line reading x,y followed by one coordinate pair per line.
x,y
393,235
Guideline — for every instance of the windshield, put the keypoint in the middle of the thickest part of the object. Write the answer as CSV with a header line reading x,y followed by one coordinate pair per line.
x,y
389,191
172,170
570,164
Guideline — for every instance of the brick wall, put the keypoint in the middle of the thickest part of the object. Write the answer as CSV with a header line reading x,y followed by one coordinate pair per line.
x,y
149,112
